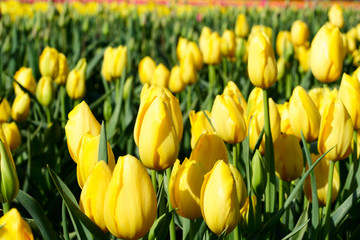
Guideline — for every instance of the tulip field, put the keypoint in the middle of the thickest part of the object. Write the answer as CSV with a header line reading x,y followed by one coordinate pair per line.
x,y
179,120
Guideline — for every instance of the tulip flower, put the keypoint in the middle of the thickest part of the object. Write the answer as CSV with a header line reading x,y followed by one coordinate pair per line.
x,y
204,36
20,108
49,63
336,130
320,97
212,49
219,199
117,61
327,54
299,33
75,84
349,92
5,110
321,176
88,157
262,66
227,119
241,26
199,125
188,69
24,76
244,211
130,204
304,58
194,51
93,194
260,28
283,44
176,83
81,121
14,227
335,15
284,115
208,150
12,134
350,39
63,70
228,44
254,100
303,115
232,89
185,187
181,47
107,60
45,91
160,76
146,69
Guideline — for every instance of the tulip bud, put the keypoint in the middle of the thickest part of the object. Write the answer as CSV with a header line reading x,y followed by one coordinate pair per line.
x,y
350,39
335,131
303,115
176,83
204,36
262,66
12,134
20,108
194,51
45,91
49,63
208,149
299,33
258,177
63,70
93,194
241,51
211,50
146,69
321,176
260,28
241,26
5,110
81,121
160,77
228,44
75,84
188,69
107,61
181,47
254,100
283,44
281,62
24,77
185,187
130,204
14,227
335,15
118,61
219,187
327,54
304,58
227,119
232,89
199,125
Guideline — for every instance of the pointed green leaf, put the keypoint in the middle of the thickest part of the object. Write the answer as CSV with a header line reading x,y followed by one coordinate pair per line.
x,y
159,229
300,228
103,153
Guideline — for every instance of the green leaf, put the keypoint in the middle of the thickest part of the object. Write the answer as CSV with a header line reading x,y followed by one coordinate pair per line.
x,y
76,214
159,229
103,153
38,214
300,228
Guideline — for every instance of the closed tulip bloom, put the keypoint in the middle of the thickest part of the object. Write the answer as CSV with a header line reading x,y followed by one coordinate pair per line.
x,y
257,123
304,58
130,204
20,108
194,51
336,129
107,61
321,96
240,185
199,125
12,134
176,83
219,199
258,176
75,84
14,227
63,70
88,157
24,76
5,110
303,115
208,150
262,66
81,121
204,36
241,26
232,89
299,33
349,92
181,47
212,49
45,91
228,43
146,69
188,69
49,63
260,28
254,100
350,40
285,122
327,54
335,15
93,194
321,176
244,211
227,119
160,76
185,187
118,61
288,158
283,43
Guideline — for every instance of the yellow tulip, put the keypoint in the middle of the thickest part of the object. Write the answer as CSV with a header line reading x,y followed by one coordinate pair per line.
x,y
5,110
350,40
88,157
327,54
320,97
81,121
49,63
336,130
12,134
219,199
321,176
208,149
262,68
146,69
335,15
283,43
255,98
299,33
24,76
107,60
45,91
204,36
20,108
240,185
194,51
232,89
14,227
93,194
284,115
303,115
185,187
199,125
228,44
212,49
75,84
130,204
304,58
356,74
244,211
176,83
118,61
241,26
63,70
160,76
227,119
260,28
181,47
188,69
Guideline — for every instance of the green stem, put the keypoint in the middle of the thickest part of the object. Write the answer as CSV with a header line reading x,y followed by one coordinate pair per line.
x,y
63,110
281,193
161,204
48,114
235,156
328,200
172,223
354,155
64,222
153,179
212,82
236,233
193,229
6,207
288,90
